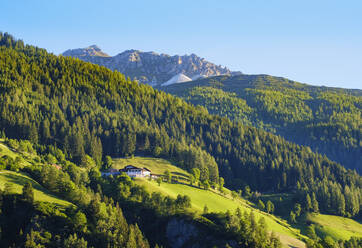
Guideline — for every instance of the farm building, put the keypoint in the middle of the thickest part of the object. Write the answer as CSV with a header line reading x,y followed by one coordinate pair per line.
x,y
134,171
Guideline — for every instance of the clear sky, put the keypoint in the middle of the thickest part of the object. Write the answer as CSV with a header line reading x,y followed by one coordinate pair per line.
x,y
317,42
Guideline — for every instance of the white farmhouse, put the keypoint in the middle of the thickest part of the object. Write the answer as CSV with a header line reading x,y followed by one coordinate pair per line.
x,y
133,171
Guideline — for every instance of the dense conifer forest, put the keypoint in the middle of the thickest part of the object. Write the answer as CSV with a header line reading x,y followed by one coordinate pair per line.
x,y
326,119
89,111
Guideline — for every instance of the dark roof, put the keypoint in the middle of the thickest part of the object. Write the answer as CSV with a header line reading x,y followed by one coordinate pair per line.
x,y
130,167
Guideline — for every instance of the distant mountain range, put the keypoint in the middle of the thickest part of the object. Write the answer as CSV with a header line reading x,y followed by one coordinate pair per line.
x,y
150,67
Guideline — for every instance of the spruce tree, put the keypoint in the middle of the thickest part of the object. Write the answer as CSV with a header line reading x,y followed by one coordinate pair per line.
x,y
28,193
315,203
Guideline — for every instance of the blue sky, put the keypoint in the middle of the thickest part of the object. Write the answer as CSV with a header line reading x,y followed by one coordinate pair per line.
x,y
317,42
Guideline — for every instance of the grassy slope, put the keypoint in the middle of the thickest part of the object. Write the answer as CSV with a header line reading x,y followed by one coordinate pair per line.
x,y
6,151
199,197
19,179
155,165
215,202
335,226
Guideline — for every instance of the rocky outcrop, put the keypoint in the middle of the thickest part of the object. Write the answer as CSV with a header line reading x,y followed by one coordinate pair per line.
x,y
183,233
150,67
180,232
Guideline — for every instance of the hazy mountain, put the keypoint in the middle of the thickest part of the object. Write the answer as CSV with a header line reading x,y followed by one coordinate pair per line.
x,y
90,51
150,67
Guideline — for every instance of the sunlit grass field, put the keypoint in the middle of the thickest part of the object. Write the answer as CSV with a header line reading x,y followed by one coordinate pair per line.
x,y
335,226
214,200
18,180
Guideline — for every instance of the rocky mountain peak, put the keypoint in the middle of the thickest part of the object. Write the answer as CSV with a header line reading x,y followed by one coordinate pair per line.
x,y
94,47
92,50
151,67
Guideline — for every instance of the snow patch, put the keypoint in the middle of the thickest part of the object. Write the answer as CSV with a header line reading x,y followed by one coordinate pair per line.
x,y
179,78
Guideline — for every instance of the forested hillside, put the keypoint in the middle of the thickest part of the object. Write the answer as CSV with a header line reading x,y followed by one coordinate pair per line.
x,y
88,111
105,211
326,119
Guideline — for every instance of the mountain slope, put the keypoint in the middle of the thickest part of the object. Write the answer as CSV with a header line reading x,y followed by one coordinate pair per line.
x,y
215,201
18,180
150,67
326,119
89,111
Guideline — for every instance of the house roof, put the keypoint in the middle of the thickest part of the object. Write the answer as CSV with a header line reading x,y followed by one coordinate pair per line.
x,y
128,167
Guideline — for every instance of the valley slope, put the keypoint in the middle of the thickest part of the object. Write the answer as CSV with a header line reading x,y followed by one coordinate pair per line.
x,y
78,114
326,119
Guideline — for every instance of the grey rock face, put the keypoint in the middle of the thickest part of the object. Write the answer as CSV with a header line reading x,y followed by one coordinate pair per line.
x,y
179,233
85,52
150,67
182,233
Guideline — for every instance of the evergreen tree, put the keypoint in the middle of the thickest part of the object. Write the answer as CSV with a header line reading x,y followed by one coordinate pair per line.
x,y
196,174
159,180
206,209
168,176
80,222
28,192
297,209
108,162
269,207
311,232
221,184
292,217
261,205
74,241
308,203
315,203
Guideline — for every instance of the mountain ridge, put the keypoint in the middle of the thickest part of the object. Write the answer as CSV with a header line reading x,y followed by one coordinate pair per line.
x,y
151,67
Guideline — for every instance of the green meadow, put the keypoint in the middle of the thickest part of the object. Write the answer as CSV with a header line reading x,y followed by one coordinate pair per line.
x,y
335,226
155,165
18,180
214,200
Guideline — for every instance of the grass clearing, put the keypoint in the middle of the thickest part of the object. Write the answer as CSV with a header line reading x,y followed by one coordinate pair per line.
x,y
335,226
215,201
155,165
219,203
5,151
18,180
